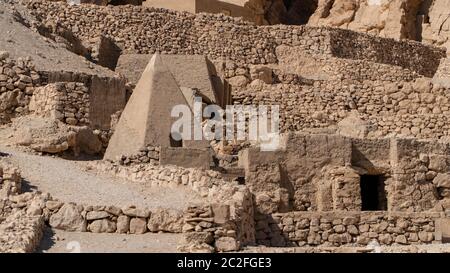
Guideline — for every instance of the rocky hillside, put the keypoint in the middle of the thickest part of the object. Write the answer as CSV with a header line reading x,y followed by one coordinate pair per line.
x,y
421,20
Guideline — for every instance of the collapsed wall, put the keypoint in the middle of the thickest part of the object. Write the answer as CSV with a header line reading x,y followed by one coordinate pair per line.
x,y
21,226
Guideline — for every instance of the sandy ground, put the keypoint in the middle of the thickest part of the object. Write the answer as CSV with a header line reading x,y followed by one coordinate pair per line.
x,y
56,241
21,41
69,181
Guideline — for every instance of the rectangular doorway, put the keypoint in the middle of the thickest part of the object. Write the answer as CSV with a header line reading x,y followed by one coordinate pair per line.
x,y
373,193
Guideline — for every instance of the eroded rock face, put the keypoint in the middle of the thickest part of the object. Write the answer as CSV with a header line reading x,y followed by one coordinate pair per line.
x,y
421,20
393,19
291,12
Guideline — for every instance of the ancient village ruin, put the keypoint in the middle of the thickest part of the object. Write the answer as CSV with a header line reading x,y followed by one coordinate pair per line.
x,y
87,90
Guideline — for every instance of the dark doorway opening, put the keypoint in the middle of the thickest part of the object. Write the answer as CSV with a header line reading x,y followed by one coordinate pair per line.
x,y
373,193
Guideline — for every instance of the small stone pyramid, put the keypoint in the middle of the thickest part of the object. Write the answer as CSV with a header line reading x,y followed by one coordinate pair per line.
x,y
146,119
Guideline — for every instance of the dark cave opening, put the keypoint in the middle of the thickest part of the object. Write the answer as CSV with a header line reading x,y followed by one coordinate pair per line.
x,y
298,12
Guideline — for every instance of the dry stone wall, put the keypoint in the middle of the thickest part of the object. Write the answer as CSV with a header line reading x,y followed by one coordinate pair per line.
x,y
442,75
107,95
420,172
67,102
345,71
346,229
231,204
227,222
146,31
147,155
18,78
353,45
394,107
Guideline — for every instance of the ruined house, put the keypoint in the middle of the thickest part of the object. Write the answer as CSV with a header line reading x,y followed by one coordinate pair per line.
x,y
364,150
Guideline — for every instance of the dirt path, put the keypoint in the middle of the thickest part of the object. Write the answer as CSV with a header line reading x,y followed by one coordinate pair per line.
x,y
67,181
57,241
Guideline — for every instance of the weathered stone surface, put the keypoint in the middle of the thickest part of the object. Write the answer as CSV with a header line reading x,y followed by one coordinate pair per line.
x,y
123,224
53,205
68,218
226,244
221,213
102,226
95,215
165,220
138,226
198,237
135,212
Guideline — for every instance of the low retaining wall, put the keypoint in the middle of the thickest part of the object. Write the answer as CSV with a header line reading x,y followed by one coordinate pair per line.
x,y
211,228
347,228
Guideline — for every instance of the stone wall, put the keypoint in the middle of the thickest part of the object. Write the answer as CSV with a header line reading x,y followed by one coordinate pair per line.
x,y
330,72
83,99
67,102
231,204
442,75
147,155
420,171
353,45
107,95
17,81
145,31
347,229
226,217
111,219
216,221
394,107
